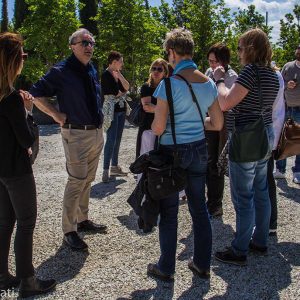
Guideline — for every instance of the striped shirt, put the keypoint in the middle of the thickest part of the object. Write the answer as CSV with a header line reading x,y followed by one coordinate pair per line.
x,y
248,110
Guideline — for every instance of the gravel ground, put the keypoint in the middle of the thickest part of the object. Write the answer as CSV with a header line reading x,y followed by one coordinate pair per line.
x,y
115,267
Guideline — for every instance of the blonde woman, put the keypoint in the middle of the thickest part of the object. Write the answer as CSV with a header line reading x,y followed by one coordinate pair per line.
x,y
145,138
17,185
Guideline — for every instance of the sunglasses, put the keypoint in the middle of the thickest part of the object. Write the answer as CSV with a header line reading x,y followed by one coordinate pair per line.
x,y
86,43
24,56
158,69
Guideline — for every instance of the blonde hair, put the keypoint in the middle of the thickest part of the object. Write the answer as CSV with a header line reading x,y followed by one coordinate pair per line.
x,y
161,62
181,41
10,61
257,47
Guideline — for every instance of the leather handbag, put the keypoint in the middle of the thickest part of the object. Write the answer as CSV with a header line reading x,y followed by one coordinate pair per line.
x,y
137,115
250,143
289,141
166,177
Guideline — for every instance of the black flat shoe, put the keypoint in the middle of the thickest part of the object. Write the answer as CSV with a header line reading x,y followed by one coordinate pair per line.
x,y
8,282
73,240
89,226
257,249
204,274
154,271
33,286
229,257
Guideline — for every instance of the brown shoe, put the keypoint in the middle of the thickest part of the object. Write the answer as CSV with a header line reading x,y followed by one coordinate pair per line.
x,y
154,271
205,274
117,171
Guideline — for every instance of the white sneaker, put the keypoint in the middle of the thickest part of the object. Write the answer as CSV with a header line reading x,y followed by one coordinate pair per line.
x,y
278,175
296,177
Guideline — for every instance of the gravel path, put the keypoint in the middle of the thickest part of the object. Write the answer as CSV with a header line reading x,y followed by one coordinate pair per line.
x,y
115,267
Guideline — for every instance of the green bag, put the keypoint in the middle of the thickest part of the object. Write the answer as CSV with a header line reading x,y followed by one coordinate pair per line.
x,y
250,143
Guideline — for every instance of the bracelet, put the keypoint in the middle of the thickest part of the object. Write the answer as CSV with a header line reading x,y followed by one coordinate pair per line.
x,y
220,81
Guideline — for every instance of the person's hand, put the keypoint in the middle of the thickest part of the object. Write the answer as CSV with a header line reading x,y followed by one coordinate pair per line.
x,y
59,118
149,107
29,151
219,73
116,74
27,99
291,84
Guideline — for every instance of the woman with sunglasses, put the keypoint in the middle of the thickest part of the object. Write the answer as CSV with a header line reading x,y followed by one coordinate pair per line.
x,y
192,152
17,184
248,180
145,138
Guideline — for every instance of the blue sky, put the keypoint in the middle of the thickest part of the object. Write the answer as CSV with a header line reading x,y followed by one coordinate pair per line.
x,y
276,8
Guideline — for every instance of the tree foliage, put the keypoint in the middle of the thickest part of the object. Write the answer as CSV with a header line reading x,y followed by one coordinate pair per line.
x,y
4,17
47,29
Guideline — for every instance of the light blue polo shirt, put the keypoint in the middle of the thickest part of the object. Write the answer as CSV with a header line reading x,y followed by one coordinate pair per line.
x,y
188,124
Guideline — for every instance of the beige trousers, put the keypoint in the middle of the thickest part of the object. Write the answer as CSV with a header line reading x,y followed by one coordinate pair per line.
x,y
82,151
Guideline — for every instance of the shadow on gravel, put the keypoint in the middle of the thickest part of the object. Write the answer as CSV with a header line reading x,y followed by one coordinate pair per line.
x,y
102,190
163,291
47,130
264,277
62,266
288,191
197,290
131,223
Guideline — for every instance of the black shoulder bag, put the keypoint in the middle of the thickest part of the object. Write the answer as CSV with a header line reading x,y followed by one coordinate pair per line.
x,y
164,176
250,143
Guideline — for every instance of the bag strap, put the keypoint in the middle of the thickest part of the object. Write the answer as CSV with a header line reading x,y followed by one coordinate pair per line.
x,y
171,107
259,88
194,98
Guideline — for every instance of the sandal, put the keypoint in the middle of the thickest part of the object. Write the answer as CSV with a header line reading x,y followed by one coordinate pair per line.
x,y
154,271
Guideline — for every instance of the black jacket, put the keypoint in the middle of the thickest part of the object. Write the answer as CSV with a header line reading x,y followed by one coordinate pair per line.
x,y
16,136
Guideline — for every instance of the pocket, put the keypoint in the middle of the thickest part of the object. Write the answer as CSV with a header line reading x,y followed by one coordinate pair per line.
x,y
202,154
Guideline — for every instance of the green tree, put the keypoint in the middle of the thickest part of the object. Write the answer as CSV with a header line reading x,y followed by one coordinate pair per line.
x,y
4,17
248,18
131,30
87,13
47,29
203,19
20,13
289,37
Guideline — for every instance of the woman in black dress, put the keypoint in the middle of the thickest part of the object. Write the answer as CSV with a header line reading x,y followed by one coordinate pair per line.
x,y
17,184
158,70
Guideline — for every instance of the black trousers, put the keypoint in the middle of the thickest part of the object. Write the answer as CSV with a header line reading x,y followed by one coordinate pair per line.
x,y
17,203
272,194
214,182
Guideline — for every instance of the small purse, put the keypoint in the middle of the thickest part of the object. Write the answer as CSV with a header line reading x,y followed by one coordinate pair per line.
x,y
250,143
289,141
137,115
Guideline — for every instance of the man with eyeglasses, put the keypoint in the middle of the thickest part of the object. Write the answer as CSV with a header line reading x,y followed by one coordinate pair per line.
x,y
291,75
75,83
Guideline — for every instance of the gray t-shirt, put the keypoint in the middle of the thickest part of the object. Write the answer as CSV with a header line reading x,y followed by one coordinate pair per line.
x,y
290,71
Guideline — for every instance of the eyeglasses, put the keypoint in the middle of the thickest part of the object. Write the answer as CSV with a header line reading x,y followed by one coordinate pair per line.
x,y
158,69
86,43
212,61
24,56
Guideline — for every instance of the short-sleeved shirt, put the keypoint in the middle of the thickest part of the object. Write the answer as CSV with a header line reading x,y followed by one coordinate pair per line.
x,y
188,124
110,86
147,91
249,110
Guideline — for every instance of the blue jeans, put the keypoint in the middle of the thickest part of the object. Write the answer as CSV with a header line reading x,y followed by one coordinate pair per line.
x,y
113,140
293,112
250,197
194,159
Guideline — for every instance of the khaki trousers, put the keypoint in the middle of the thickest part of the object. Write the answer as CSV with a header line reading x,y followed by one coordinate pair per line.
x,y
82,151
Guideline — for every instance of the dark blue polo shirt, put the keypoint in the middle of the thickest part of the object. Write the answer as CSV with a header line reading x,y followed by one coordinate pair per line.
x,y
73,100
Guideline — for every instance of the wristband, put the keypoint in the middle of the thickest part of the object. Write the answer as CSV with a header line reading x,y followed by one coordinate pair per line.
x,y
219,81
